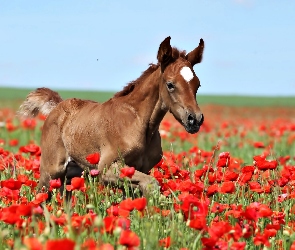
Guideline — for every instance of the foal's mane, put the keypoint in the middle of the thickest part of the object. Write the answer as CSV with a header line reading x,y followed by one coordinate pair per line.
x,y
176,53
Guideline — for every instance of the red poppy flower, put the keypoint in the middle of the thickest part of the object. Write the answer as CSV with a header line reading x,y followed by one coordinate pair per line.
x,y
248,169
62,220
139,203
127,204
25,210
11,184
129,239
198,173
9,215
208,242
227,187
31,183
89,244
224,155
127,172
218,229
109,224
13,142
264,165
42,117
93,158
54,184
237,232
223,162
238,246
10,127
193,207
282,181
22,178
212,189
158,175
9,194
258,144
261,240
198,223
113,210
212,177
264,211
166,242
218,207
106,246
33,244
77,183
116,211
29,124
31,148
245,177
165,212
259,158
254,186
230,176
64,244
124,223
41,197
224,159
270,232
251,214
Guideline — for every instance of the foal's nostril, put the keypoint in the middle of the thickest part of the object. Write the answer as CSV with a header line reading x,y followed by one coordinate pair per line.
x,y
201,120
191,119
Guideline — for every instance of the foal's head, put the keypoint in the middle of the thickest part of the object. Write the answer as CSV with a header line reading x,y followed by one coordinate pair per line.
x,y
180,84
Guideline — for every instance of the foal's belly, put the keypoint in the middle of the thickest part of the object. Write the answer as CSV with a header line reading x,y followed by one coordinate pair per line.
x,y
144,164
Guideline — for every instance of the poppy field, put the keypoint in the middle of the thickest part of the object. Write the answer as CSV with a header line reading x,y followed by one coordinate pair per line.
x,y
230,186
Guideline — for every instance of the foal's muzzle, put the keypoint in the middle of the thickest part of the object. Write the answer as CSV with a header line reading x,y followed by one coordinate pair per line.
x,y
194,123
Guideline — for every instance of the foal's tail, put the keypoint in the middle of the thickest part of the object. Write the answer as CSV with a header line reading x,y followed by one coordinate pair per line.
x,y
41,100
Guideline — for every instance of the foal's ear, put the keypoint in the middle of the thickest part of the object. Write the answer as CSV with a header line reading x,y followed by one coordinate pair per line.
x,y
165,53
196,55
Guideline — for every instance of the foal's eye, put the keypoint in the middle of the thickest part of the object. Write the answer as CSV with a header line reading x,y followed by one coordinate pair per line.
x,y
170,86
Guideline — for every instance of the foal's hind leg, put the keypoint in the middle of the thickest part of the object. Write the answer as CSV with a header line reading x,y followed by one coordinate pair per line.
x,y
72,170
146,183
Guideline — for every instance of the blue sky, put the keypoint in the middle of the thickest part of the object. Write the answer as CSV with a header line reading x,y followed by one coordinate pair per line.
x,y
249,45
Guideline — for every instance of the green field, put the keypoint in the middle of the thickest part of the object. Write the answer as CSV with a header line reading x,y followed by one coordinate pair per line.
x,y
230,186
13,96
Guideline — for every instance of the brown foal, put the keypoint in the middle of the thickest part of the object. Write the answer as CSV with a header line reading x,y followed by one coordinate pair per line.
x,y
124,127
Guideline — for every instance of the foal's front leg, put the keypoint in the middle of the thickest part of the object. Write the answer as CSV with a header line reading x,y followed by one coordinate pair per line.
x,y
146,183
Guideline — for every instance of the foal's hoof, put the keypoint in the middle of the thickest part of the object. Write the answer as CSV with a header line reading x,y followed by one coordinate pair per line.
x,y
150,187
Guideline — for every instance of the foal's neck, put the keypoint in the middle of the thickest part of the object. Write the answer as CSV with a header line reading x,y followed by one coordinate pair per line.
x,y
147,101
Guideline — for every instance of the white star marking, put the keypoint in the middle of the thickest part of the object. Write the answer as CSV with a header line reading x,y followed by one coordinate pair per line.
x,y
187,73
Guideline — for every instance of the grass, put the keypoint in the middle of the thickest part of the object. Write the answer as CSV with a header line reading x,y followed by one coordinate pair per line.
x,y
249,101
14,96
